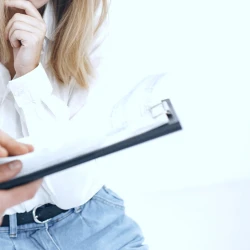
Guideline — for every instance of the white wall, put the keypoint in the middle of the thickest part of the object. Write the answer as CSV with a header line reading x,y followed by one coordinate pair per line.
x,y
187,190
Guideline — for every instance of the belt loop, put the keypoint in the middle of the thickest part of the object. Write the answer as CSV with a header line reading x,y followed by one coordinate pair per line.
x,y
78,209
13,225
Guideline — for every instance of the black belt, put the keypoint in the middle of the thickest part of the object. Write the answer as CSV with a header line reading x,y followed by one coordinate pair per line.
x,y
39,214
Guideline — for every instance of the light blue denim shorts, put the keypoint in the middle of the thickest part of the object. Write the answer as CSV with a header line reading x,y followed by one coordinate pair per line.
x,y
100,224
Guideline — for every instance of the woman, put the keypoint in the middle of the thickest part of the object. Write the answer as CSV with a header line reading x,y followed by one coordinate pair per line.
x,y
48,53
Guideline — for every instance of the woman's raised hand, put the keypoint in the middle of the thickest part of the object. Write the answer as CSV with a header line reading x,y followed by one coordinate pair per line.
x,y
26,34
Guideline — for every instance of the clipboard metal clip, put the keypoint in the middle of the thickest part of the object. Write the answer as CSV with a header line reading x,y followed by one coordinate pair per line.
x,y
159,109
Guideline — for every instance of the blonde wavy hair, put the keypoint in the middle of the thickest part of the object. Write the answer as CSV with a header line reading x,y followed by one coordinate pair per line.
x,y
76,30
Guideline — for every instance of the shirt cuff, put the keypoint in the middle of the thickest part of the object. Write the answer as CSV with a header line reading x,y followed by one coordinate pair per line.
x,y
31,87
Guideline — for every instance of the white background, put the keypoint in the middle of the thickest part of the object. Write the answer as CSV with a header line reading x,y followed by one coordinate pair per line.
x,y
189,190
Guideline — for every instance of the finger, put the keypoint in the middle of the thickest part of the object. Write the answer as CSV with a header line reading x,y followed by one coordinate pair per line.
x,y
22,27
26,38
9,170
15,196
40,25
3,152
12,146
27,6
28,146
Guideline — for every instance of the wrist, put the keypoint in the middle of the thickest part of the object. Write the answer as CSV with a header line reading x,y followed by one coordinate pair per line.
x,y
25,71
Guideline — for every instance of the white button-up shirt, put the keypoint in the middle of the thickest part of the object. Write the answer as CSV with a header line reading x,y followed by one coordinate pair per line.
x,y
36,102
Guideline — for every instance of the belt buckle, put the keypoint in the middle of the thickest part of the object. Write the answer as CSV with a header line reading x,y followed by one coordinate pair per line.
x,y
35,217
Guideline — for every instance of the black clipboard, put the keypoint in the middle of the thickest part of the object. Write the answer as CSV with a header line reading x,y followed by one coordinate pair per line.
x,y
173,125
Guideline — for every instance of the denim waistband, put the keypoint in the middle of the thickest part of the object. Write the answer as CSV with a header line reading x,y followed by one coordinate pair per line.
x,y
13,228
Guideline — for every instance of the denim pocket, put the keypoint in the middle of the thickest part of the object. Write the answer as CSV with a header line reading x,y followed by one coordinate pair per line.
x,y
109,197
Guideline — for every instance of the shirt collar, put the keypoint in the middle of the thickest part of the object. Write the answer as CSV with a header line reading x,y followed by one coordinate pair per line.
x,y
49,19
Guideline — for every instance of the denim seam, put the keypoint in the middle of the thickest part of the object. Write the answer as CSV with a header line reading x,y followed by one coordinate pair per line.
x,y
36,243
84,221
29,229
51,237
67,214
4,231
96,197
14,246
24,229
111,225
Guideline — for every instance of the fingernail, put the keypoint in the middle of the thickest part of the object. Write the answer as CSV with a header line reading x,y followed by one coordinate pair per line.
x,y
30,147
3,152
15,165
